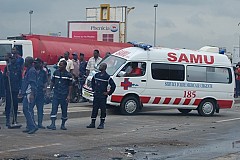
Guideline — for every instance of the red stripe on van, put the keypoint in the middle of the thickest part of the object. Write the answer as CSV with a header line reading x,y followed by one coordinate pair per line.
x,y
144,99
196,102
167,100
225,103
116,98
187,101
177,101
156,100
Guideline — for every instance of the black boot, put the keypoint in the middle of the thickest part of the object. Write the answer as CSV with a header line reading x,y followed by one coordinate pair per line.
x,y
40,118
63,124
7,122
101,125
92,125
52,126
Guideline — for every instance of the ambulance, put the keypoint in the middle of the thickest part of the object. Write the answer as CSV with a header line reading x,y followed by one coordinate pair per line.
x,y
187,80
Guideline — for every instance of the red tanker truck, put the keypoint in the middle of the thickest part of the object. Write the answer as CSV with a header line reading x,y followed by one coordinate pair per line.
x,y
49,48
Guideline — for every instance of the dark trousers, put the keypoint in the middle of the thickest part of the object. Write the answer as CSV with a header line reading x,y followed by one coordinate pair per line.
x,y
29,113
99,103
64,107
8,105
237,89
39,101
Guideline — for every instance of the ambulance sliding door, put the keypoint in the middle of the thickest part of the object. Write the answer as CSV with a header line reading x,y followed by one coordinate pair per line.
x,y
162,80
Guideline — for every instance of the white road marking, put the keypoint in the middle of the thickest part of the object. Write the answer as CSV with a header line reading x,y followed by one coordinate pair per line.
x,y
28,148
227,120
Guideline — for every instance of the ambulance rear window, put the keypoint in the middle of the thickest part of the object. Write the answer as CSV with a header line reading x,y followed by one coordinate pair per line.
x,y
209,74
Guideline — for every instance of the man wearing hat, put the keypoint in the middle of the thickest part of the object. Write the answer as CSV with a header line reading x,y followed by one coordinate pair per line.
x,y
29,89
41,90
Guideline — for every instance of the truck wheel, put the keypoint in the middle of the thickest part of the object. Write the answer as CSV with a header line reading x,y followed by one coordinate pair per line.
x,y
207,107
185,111
129,105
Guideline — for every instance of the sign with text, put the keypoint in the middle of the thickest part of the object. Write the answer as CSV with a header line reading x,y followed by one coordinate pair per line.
x,y
97,30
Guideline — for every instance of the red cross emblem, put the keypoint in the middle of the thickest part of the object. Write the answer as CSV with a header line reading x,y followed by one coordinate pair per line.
x,y
126,84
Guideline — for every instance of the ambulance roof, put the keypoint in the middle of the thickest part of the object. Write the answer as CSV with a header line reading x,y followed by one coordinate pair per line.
x,y
168,55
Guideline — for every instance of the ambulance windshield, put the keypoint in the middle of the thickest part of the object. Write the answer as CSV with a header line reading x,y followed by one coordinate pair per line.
x,y
4,49
113,64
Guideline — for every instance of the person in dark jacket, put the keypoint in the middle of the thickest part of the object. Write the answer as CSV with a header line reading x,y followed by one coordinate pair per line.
x,y
100,82
41,90
29,90
82,74
2,90
62,83
12,82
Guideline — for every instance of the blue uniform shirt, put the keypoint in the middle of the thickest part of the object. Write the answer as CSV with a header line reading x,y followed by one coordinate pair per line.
x,y
61,82
15,74
82,69
29,83
100,84
41,80
2,90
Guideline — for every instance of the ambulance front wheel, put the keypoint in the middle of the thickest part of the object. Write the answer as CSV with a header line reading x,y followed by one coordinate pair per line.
x,y
207,107
129,105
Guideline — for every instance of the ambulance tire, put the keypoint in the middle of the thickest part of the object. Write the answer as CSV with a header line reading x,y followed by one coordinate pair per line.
x,y
207,107
184,111
129,105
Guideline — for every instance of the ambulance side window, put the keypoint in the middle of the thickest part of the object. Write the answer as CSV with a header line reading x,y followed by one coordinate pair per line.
x,y
161,71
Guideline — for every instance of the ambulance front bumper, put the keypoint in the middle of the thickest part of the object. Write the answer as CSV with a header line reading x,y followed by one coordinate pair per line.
x,y
87,93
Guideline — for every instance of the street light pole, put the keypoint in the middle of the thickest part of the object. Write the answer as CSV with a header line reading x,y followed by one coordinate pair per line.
x,y
30,13
127,10
155,24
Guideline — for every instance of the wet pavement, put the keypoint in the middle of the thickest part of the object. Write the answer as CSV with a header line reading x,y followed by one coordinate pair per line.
x,y
154,134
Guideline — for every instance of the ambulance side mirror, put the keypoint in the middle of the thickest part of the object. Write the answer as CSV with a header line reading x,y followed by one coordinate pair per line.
x,y
121,74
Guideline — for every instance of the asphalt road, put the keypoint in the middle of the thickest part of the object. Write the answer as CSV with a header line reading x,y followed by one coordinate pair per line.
x,y
154,134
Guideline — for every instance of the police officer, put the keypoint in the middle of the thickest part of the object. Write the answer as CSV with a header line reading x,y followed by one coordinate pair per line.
x,y
12,82
62,83
29,90
41,89
100,82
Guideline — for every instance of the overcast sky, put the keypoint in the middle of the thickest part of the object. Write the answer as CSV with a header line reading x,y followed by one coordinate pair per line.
x,y
180,23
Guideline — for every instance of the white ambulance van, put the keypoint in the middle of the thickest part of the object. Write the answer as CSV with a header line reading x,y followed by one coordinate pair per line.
x,y
176,78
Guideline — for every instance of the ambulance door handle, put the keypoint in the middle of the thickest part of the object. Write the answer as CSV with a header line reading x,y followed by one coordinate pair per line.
x,y
143,80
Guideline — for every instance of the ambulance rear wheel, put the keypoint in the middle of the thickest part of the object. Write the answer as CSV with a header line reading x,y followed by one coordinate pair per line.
x,y
129,105
207,107
185,111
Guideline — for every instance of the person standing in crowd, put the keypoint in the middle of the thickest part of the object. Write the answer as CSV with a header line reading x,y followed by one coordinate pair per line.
x,y
69,66
47,70
75,74
82,74
19,60
62,83
100,82
93,61
29,90
41,89
2,91
12,82
237,72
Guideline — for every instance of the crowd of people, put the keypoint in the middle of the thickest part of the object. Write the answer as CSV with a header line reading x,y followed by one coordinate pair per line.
x,y
32,85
